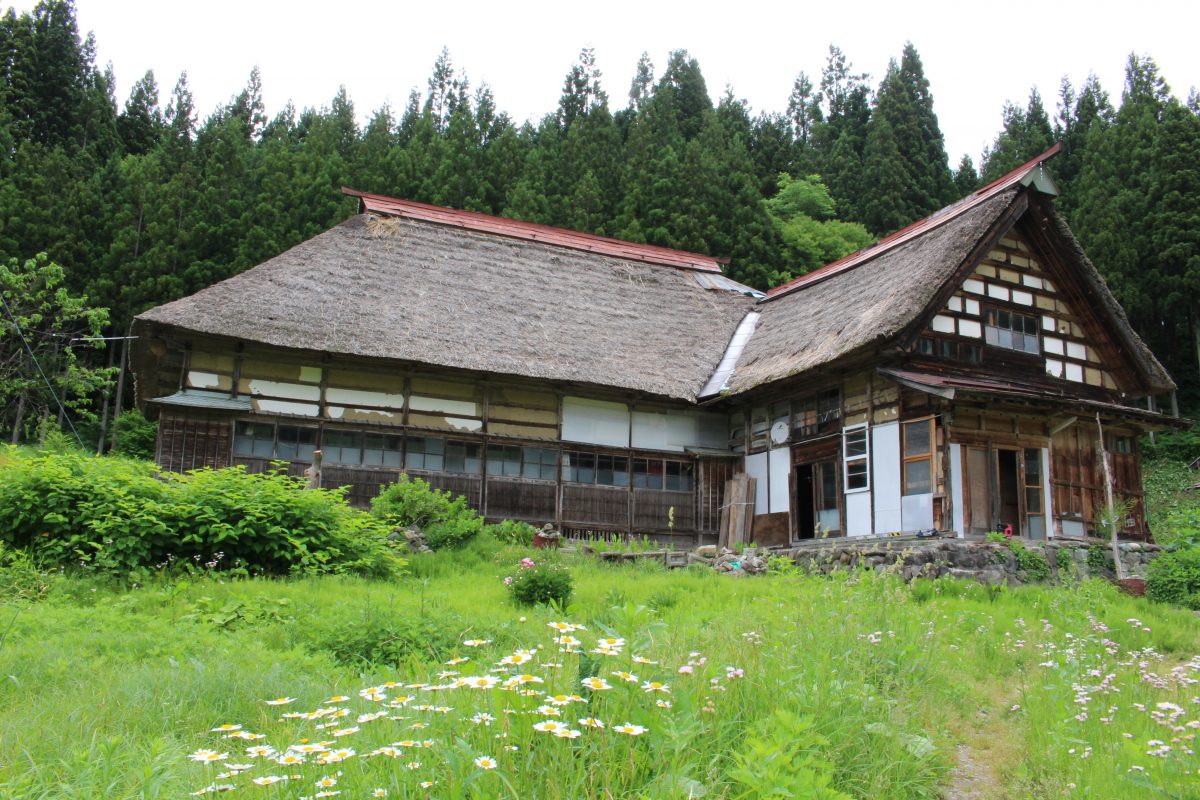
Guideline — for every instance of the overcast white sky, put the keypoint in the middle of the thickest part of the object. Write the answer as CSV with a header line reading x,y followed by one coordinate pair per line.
x,y
976,55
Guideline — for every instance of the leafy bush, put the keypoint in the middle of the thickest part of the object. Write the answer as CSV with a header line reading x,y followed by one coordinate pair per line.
x,y
445,519
1174,577
996,537
1099,559
510,531
121,516
136,435
1030,563
1062,557
540,583
375,639
781,758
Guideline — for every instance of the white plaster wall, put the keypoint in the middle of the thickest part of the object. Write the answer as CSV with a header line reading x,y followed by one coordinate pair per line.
x,y
917,512
779,462
956,490
885,477
758,468
594,422
858,514
1046,490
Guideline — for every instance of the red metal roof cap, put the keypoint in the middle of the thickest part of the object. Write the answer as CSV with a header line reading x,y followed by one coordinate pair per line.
x,y
916,229
530,231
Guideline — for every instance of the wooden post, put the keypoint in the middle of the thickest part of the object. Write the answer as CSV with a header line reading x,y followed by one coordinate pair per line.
x,y
120,394
104,408
1108,493
314,471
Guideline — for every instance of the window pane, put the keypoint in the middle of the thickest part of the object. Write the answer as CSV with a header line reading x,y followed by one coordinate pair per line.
x,y
856,474
462,457
1033,500
1033,467
916,477
620,471
916,438
856,443
342,447
828,478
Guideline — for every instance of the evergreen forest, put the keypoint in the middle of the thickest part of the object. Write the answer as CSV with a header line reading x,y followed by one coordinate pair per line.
x,y
137,204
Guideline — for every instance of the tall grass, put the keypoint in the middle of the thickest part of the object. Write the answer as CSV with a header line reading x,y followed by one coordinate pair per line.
x,y
107,690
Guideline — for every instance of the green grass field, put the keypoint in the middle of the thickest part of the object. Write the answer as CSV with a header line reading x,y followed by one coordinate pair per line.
x,y
436,686
861,684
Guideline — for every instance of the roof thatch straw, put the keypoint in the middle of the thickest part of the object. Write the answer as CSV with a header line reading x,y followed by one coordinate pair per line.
x,y
863,306
432,294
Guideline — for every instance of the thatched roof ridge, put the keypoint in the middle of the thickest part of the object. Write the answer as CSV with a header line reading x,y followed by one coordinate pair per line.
x,y
432,294
815,324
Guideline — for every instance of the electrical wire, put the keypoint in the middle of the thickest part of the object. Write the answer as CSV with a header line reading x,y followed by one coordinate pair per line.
x,y
50,386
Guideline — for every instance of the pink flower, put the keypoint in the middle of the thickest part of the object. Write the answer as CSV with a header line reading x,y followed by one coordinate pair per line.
x,y
508,581
528,562
686,669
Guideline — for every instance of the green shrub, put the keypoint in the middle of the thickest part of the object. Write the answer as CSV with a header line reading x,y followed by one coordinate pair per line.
x,y
511,531
136,436
119,516
1030,563
1062,557
996,537
1099,559
536,583
782,758
376,639
1174,577
445,519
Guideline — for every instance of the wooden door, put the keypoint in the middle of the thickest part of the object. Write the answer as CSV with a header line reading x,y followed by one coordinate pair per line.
x,y
977,493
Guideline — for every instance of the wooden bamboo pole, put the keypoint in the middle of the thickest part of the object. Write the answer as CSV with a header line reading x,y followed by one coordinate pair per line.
x,y
1112,506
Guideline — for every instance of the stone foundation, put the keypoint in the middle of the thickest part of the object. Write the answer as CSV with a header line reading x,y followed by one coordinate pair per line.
x,y
983,561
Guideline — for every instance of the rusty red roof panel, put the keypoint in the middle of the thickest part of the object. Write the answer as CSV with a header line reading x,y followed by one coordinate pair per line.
x,y
530,231
916,229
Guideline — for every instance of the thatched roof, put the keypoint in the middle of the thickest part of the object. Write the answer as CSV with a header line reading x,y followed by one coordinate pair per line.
x,y
869,298
436,294
865,305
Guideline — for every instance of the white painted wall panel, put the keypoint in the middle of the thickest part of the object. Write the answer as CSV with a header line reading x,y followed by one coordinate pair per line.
x,y
917,512
779,462
650,430
858,514
956,489
595,422
885,476
292,391
1046,494
758,468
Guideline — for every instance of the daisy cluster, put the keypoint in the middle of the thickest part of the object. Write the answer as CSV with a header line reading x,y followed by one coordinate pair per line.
x,y
399,735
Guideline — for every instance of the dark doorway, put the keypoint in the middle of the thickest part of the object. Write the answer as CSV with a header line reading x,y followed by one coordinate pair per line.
x,y
806,518
1010,490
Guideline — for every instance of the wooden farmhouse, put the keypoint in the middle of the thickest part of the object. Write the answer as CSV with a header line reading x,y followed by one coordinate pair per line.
x,y
959,375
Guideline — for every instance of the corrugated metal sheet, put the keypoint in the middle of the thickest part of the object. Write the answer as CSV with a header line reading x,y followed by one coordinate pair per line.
x,y
201,398
560,237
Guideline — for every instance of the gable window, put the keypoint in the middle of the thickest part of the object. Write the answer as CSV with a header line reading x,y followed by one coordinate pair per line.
x,y
856,458
918,457
1011,330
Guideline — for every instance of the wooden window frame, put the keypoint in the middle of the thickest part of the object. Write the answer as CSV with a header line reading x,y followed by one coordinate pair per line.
x,y
906,459
991,312
865,457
